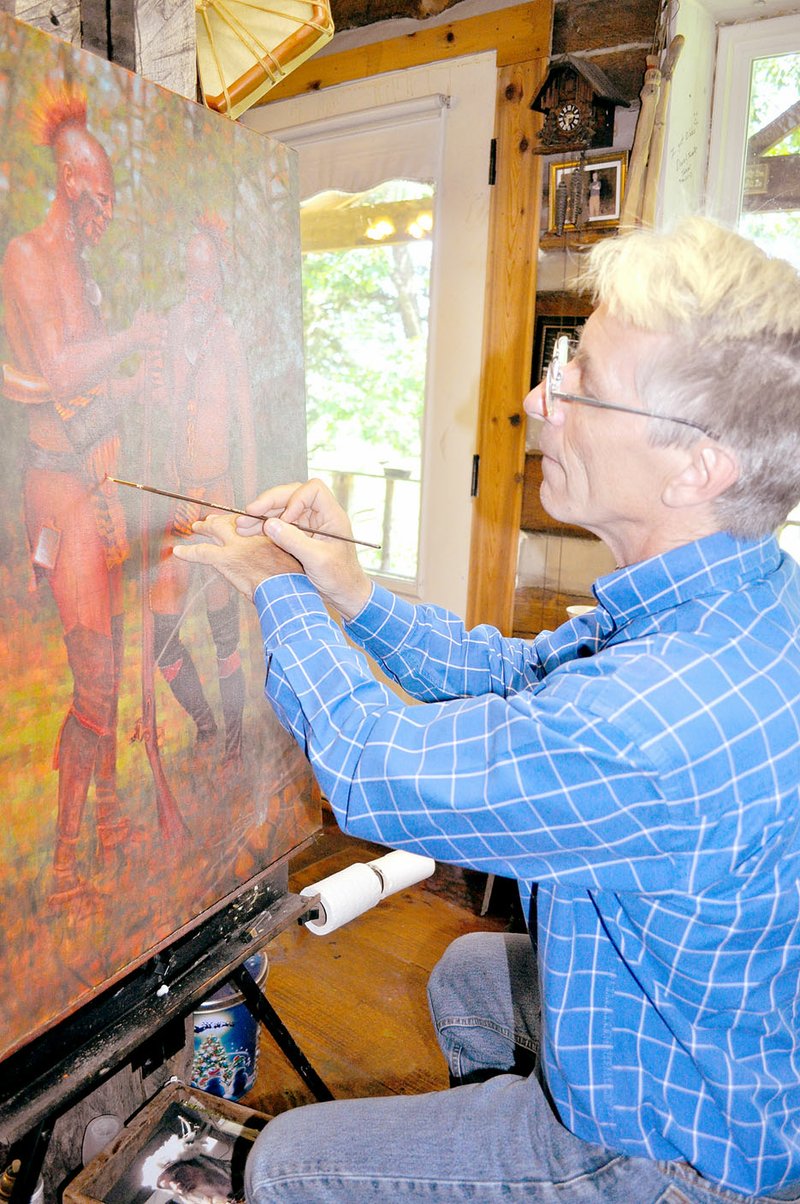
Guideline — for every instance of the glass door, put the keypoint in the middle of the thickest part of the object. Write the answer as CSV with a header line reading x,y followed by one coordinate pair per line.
x,y
394,186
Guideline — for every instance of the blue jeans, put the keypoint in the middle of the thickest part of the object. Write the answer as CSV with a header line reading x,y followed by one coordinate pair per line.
x,y
489,1139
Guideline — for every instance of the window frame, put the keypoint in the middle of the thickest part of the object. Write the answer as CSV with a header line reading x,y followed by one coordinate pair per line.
x,y
737,48
461,253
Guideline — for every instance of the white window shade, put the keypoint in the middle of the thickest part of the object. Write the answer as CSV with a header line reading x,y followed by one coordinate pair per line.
x,y
350,152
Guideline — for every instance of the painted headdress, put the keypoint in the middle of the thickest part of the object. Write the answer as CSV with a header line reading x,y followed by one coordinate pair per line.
x,y
213,226
59,104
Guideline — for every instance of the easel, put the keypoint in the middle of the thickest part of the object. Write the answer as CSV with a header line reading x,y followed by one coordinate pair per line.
x,y
136,1019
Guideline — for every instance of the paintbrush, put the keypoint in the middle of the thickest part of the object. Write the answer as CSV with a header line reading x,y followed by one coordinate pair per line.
x,y
182,497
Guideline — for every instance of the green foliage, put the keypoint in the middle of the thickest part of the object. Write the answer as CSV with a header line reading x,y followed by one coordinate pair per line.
x,y
366,343
774,87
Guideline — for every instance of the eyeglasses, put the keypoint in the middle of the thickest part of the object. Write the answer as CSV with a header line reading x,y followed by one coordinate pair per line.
x,y
553,395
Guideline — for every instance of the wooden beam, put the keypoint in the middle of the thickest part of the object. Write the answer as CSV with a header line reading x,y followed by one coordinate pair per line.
x,y
341,229
154,38
518,33
774,132
59,17
508,337
772,184
164,48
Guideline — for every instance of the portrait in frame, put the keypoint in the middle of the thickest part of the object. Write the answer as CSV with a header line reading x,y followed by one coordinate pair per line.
x,y
602,187
152,333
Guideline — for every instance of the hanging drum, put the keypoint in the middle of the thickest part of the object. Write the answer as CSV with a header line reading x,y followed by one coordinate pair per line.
x,y
246,47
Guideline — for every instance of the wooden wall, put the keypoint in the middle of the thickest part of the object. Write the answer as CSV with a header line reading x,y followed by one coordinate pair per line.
x,y
617,37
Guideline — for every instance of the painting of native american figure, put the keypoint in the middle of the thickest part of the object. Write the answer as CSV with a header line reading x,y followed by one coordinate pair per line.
x,y
151,333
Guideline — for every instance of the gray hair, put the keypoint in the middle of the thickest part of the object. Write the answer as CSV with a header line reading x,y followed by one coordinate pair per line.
x,y
731,358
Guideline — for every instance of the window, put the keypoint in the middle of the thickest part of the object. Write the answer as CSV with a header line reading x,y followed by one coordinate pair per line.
x,y
754,164
770,204
366,294
394,324
754,167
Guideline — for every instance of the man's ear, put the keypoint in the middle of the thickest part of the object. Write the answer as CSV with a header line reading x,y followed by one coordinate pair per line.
x,y
707,473
69,181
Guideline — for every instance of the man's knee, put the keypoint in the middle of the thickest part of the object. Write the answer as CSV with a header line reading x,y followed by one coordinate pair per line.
x,y
280,1152
453,978
261,1160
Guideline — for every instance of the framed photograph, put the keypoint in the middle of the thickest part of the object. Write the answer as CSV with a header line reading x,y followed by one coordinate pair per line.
x,y
184,1147
602,186
548,329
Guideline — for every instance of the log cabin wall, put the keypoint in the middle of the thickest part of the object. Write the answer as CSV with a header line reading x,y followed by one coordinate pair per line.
x,y
556,563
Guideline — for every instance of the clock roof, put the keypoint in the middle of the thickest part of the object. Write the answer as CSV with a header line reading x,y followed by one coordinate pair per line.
x,y
597,80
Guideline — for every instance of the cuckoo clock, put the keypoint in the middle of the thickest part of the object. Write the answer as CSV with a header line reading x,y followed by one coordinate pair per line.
x,y
578,101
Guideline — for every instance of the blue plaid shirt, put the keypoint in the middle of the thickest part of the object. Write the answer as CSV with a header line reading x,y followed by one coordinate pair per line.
x,y
642,765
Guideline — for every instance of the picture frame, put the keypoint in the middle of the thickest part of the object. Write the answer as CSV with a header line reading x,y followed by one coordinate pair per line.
x,y
603,188
547,329
183,1144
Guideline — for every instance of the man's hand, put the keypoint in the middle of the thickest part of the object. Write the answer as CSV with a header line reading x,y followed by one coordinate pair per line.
x,y
331,565
244,562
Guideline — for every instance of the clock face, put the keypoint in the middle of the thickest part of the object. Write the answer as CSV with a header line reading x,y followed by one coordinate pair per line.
x,y
568,117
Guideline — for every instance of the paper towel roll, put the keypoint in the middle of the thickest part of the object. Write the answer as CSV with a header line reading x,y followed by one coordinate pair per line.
x,y
399,869
344,896
351,892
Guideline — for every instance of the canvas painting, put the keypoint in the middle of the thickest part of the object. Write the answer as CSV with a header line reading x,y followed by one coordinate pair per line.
x,y
151,333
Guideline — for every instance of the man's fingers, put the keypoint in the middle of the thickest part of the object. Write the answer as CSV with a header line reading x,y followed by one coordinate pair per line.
x,y
272,501
249,526
287,537
196,553
219,527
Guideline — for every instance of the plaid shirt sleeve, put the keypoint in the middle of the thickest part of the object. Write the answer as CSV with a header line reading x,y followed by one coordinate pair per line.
x,y
476,780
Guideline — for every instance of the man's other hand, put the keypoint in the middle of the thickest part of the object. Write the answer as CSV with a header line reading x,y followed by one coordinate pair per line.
x,y
244,561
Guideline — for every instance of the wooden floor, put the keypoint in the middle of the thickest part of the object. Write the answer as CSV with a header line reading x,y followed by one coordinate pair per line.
x,y
355,1001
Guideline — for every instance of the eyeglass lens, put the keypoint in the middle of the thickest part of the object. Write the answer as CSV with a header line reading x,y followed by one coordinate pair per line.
x,y
563,350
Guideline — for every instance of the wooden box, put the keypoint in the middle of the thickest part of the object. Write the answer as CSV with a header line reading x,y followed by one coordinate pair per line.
x,y
183,1141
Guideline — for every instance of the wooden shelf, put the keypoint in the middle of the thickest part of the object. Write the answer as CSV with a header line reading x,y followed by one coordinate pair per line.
x,y
574,240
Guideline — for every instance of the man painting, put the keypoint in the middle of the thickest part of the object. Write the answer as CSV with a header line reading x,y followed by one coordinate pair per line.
x,y
62,359
639,767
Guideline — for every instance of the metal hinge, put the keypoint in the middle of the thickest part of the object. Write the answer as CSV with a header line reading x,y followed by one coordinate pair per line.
x,y
473,486
492,161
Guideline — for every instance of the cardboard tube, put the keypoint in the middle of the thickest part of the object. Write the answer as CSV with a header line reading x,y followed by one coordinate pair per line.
x,y
656,153
632,203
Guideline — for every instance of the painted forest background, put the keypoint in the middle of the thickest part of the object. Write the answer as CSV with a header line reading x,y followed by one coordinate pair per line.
x,y
172,162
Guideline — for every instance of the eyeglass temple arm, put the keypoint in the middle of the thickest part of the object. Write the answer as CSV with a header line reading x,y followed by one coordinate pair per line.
x,y
610,405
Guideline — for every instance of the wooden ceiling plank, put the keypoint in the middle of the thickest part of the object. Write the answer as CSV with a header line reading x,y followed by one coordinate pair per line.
x,y
518,33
